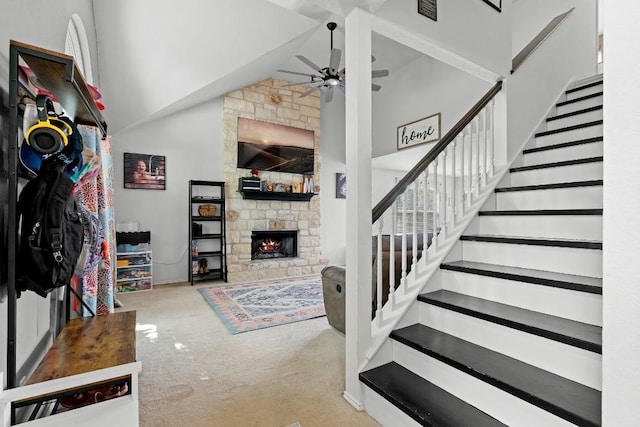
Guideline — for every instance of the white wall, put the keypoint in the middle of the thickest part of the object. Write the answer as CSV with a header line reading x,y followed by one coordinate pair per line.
x,y
531,16
165,50
469,29
191,141
333,160
422,88
621,293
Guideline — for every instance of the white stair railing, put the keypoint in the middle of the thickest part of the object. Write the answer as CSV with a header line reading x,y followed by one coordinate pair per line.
x,y
429,201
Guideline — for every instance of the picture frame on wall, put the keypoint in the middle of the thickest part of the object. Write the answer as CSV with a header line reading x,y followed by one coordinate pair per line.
x,y
428,8
496,4
341,185
144,171
421,131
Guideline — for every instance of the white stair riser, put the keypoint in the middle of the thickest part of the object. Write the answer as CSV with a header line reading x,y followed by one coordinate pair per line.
x,y
579,306
581,151
587,227
571,135
558,174
384,412
557,198
584,92
561,359
501,405
579,105
584,262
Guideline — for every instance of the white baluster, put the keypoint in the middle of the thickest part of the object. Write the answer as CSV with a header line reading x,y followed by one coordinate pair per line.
x,y
477,174
379,275
404,239
486,147
425,217
414,229
444,192
470,174
392,261
462,144
453,182
436,207
492,118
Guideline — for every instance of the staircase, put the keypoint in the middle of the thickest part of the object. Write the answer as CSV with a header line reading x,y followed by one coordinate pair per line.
x,y
513,333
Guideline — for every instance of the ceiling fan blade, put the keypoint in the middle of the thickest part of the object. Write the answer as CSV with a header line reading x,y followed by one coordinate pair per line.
x,y
328,95
310,64
341,87
375,87
379,73
341,72
310,91
295,84
300,74
373,58
334,61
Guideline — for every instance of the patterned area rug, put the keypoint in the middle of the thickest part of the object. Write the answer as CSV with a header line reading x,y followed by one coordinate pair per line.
x,y
249,306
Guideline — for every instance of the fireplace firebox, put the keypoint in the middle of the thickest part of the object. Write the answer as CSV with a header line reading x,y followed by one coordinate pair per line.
x,y
268,244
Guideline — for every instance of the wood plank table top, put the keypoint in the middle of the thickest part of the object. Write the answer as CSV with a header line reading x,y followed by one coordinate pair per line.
x,y
88,344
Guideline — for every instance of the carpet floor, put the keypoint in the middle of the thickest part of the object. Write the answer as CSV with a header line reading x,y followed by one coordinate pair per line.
x,y
244,307
196,373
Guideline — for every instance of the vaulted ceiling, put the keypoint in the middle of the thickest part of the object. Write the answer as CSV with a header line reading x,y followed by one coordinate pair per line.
x,y
156,60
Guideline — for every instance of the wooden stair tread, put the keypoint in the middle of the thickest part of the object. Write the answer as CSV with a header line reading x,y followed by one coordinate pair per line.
x,y
542,212
582,98
547,241
568,399
570,332
584,86
596,159
589,183
423,401
539,277
569,128
564,145
574,113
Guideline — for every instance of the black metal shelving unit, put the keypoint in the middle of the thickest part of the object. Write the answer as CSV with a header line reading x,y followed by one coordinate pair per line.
x,y
207,234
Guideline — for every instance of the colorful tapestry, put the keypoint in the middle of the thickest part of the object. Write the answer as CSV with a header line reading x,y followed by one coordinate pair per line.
x,y
248,306
96,193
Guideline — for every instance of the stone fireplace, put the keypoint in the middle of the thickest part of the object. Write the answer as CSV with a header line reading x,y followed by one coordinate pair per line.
x,y
270,101
269,244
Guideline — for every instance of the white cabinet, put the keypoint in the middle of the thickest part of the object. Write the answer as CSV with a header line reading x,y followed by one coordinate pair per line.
x,y
134,270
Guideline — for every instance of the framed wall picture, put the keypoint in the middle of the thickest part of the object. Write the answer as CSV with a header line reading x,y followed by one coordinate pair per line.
x,y
419,132
341,186
496,4
144,171
428,8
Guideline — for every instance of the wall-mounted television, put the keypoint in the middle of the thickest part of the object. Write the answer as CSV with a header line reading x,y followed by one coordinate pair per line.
x,y
274,147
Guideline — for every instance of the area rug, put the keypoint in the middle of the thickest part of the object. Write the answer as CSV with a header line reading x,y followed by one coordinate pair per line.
x,y
246,307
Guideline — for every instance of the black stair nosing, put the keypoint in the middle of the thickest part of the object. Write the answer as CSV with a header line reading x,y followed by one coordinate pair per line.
x,y
560,396
563,145
569,128
533,241
542,212
574,113
595,159
571,282
532,322
423,401
586,86
582,98
588,183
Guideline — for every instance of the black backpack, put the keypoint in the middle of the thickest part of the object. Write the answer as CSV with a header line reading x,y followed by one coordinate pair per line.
x,y
51,234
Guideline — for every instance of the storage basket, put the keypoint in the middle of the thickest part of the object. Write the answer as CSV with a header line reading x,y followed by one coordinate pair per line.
x,y
207,210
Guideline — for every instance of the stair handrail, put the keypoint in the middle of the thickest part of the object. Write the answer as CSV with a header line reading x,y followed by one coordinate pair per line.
x,y
422,165
538,40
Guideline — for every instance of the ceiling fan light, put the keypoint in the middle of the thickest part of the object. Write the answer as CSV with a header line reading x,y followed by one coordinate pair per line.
x,y
332,82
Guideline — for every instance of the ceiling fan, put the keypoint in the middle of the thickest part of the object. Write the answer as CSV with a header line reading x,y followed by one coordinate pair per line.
x,y
329,77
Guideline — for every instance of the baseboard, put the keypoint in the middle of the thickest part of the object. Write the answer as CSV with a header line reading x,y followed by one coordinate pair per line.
x,y
353,402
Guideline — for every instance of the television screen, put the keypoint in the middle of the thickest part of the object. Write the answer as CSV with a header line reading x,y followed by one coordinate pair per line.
x,y
273,147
